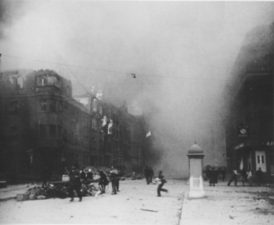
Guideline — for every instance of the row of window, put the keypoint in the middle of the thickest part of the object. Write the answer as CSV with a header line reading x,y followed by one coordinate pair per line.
x,y
49,131
16,81
52,105
48,79
55,131
111,126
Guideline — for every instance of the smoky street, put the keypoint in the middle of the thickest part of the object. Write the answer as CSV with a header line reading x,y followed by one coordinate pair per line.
x,y
102,92
137,203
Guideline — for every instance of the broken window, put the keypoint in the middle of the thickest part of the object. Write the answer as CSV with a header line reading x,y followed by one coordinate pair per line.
x,y
94,105
43,105
51,80
20,82
41,80
47,79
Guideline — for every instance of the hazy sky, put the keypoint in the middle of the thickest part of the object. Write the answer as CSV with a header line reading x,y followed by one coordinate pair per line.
x,y
181,53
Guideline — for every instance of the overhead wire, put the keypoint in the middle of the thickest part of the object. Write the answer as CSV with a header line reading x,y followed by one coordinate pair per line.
x,y
134,75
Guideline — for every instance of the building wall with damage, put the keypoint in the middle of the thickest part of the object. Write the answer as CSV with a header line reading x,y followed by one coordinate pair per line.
x,y
41,124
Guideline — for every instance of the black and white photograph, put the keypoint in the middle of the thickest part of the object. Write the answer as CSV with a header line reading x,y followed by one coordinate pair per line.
x,y
136,112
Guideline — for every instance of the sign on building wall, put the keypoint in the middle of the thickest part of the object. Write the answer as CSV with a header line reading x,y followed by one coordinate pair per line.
x,y
243,131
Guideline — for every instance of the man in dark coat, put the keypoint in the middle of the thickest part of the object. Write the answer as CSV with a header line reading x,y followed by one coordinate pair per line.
x,y
211,176
146,173
75,183
118,177
103,181
113,178
259,176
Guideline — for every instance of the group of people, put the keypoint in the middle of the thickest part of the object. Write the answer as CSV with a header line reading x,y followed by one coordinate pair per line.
x,y
86,176
215,173
149,174
212,175
246,176
78,177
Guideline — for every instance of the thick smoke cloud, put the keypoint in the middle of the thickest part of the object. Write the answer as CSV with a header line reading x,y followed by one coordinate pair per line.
x,y
181,53
10,12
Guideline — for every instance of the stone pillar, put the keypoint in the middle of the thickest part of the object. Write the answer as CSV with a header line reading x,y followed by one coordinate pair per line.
x,y
196,155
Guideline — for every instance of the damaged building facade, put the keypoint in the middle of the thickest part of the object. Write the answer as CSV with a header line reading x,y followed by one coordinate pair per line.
x,y
41,124
249,124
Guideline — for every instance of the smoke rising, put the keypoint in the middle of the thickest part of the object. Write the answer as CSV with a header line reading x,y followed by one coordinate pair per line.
x,y
181,52
10,11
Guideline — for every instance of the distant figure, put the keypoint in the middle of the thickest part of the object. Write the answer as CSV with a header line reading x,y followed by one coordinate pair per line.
x,y
133,176
243,176
234,177
75,183
151,174
223,172
146,174
162,182
113,178
249,177
216,174
103,182
87,175
118,177
46,175
212,173
259,176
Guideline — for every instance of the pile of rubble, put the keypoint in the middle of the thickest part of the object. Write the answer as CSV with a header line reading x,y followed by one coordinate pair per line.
x,y
56,191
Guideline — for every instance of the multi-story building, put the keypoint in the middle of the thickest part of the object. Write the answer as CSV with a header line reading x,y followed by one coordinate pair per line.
x,y
249,127
120,136
42,124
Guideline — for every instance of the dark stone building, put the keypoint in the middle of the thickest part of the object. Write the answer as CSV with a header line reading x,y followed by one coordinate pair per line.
x,y
249,124
41,124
